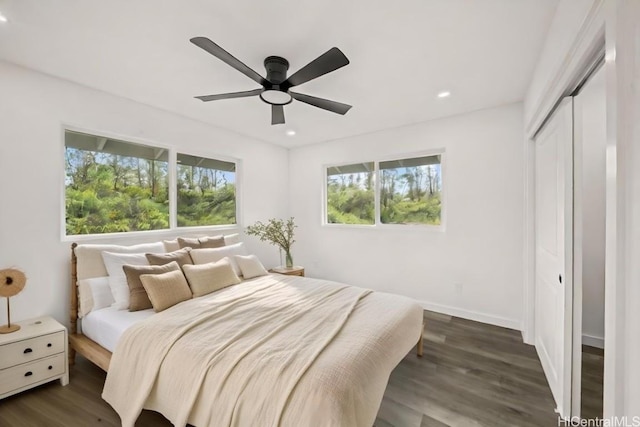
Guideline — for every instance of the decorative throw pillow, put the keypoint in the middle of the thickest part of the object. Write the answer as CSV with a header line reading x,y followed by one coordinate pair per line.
x,y
167,289
205,256
138,298
95,294
117,279
212,242
181,256
187,242
206,278
171,245
250,266
231,239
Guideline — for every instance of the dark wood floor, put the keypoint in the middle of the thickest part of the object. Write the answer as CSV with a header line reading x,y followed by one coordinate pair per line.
x,y
592,382
471,374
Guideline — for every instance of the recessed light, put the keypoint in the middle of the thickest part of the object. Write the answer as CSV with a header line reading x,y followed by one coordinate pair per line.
x,y
290,132
3,18
444,94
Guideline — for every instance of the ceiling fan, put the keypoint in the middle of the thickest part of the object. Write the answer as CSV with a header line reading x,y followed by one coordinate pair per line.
x,y
275,87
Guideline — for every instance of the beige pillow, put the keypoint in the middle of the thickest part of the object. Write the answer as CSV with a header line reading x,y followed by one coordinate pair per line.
x,y
181,256
250,266
211,242
186,242
167,289
206,278
138,298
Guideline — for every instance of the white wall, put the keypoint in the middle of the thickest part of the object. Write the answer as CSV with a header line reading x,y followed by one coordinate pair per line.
x,y
590,118
481,248
33,108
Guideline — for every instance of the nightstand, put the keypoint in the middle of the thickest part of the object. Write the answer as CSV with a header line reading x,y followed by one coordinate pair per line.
x,y
34,355
296,270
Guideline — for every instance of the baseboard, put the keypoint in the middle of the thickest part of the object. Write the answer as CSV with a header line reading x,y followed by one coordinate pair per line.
x,y
592,341
472,315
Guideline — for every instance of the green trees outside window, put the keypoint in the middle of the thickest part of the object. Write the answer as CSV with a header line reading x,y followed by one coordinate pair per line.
x,y
350,194
117,186
206,191
409,192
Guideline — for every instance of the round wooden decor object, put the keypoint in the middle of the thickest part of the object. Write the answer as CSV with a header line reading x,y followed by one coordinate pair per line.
x,y
12,281
4,329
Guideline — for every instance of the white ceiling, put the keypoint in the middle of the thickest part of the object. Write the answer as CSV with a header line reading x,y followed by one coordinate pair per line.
x,y
402,54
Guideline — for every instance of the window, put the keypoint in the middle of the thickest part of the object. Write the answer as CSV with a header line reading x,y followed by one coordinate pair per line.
x,y
402,191
206,191
118,186
350,194
114,186
410,191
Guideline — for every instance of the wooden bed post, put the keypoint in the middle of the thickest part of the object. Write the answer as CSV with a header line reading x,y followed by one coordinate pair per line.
x,y
73,313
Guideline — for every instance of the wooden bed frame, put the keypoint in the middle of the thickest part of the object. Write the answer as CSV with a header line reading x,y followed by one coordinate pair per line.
x,y
99,355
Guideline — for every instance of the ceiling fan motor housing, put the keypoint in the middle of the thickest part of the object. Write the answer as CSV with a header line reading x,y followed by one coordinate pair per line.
x,y
276,69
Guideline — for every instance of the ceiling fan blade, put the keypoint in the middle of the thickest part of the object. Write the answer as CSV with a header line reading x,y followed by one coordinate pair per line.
x,y
325,104
207,98
277,114
225,56
329,61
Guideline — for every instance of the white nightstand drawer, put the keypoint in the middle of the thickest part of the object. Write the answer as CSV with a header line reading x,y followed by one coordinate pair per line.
x,y
31,349
31,373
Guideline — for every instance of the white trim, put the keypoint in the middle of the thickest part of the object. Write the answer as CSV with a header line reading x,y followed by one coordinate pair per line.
x,y
476,316
579,55
592,341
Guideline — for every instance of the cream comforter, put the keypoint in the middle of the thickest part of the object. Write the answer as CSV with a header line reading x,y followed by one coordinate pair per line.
x,y
272,351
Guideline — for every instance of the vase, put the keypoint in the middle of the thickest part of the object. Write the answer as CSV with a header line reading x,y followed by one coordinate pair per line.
x,y
288,259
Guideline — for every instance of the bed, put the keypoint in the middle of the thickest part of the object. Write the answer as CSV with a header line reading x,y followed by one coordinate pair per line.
x,y
273,350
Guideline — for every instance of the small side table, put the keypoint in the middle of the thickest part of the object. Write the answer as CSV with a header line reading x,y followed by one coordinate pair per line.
x,y
34,355
296,270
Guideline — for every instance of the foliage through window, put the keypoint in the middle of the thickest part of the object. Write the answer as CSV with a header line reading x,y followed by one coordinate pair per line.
x,y
114,186
206,191
350,194
117,186
408,191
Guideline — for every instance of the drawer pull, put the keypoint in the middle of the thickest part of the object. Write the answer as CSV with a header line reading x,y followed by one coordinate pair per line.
x,y
28,374
50,367
27,350
49,345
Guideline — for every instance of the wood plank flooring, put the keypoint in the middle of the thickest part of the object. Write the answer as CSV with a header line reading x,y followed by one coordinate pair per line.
x,y
592,382
471,374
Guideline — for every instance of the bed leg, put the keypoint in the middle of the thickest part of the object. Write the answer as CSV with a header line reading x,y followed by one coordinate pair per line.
x,y
420,347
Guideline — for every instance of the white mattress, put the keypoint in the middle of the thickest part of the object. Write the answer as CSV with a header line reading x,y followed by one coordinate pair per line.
x,y
106,326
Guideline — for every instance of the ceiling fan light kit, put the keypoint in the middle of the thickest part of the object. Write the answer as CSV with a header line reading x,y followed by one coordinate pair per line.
x,y
275,87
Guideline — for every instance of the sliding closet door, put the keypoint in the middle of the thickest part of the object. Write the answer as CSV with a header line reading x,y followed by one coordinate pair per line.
x,y
554,246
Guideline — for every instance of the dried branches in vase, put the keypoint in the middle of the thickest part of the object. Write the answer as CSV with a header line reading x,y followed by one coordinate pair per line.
x,y
277,232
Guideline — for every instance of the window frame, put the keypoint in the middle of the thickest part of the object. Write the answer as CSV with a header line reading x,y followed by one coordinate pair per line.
x,y
378,225
172,152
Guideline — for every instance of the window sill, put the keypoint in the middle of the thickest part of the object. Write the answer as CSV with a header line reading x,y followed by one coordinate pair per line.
x,y
148,234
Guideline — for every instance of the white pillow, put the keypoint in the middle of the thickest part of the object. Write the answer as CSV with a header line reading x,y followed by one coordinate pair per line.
x,y
171,245
250,266
95,294
205,256
117,279
231,239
